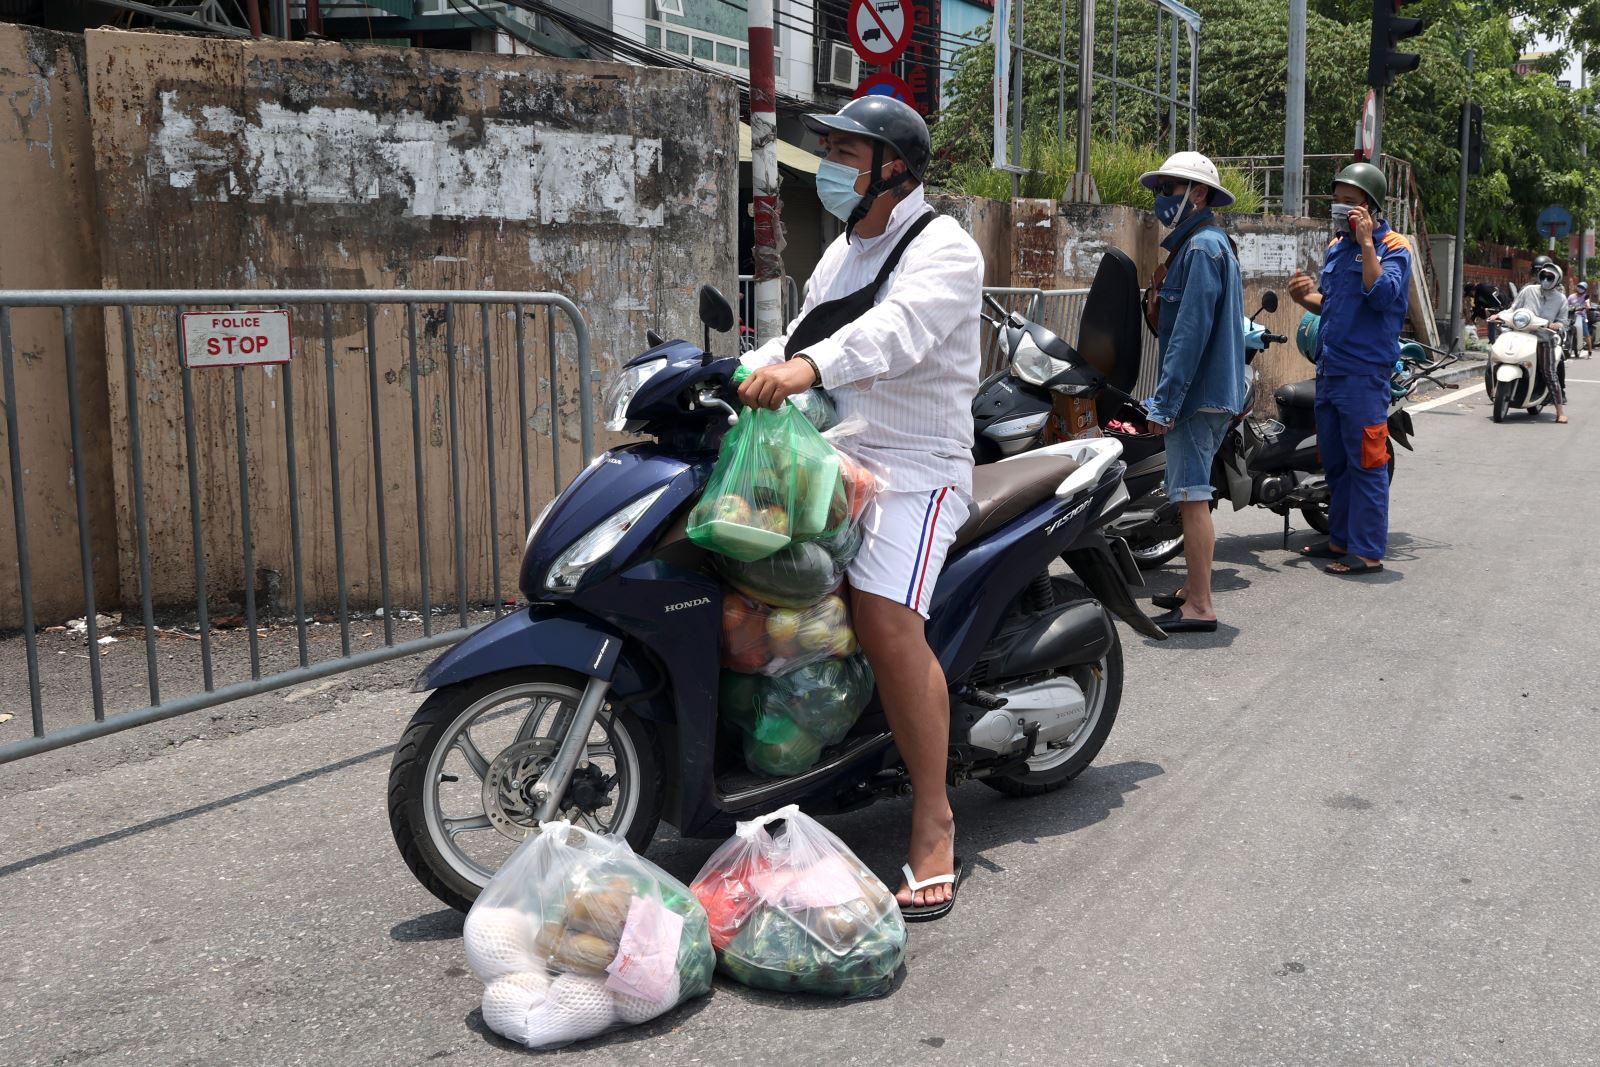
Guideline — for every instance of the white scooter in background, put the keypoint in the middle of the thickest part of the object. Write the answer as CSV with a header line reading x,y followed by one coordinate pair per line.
x,y
1512,375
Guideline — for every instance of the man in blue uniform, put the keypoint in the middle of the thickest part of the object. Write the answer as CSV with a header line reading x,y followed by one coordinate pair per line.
x,y
1363,298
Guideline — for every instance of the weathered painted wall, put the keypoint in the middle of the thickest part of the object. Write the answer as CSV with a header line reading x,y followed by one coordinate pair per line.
x,y
270,164
47,241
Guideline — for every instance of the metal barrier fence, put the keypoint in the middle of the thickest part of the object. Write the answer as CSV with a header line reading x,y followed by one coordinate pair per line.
x,y
747,300
163,478
1060,311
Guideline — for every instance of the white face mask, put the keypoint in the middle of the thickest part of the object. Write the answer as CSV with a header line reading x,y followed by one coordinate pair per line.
x,y
1341,217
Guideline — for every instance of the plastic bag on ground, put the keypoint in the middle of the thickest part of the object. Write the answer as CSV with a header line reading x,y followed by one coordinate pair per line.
x,y
774,482
759,638
792,909
576,935
787,721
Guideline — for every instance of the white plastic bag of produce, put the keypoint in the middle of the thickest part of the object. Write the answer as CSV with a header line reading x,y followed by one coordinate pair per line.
x,y
576,935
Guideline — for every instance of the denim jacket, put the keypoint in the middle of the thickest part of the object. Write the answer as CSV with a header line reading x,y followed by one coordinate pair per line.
x,y
1201,334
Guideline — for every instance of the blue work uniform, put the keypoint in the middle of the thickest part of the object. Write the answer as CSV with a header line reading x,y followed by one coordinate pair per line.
x,y
1357,346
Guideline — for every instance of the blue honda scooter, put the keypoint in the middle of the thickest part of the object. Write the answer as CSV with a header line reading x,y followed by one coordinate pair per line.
x,y
597,703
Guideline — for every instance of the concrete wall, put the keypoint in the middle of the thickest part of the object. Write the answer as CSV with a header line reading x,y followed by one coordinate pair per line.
x,y
47,241
271,164
224,164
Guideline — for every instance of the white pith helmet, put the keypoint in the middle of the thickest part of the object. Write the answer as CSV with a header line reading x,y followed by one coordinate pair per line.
x,y
1189,167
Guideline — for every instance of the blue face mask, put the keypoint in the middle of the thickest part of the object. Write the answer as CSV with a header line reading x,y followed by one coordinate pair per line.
x,y
1169,209
836,188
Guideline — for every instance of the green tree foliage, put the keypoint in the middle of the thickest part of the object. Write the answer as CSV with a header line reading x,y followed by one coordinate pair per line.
x,y
1534,130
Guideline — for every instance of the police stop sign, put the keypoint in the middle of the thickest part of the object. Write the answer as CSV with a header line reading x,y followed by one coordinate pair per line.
x,y
235,338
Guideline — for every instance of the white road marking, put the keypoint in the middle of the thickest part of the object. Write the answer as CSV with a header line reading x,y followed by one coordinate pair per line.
x,y
1583,381
1448,398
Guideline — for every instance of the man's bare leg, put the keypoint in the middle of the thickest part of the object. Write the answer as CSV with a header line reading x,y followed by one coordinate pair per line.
x,y
1199,545
916,700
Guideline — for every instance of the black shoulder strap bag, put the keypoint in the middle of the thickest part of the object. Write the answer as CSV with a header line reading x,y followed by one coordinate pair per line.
x,y
829,318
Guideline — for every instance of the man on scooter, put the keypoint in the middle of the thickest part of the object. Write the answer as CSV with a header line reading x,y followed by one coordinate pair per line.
x,y
1543,297
1365,292
890,328
1201,386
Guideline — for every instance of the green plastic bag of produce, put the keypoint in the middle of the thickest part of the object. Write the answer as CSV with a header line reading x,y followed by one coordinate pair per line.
x,y
775,482
786,721
792,909
576,934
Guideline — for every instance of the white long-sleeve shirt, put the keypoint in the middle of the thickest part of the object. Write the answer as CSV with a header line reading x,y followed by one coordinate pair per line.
x,y
909,366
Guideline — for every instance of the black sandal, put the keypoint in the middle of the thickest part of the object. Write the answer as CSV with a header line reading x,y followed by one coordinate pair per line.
x,y
1354,566
1174,623
1322,551
1168,600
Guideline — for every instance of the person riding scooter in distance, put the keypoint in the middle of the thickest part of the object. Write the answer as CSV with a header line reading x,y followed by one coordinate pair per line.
x,y
1365,283
1544,298
890,328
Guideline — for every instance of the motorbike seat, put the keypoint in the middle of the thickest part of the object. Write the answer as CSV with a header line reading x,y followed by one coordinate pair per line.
x,y
1297,394
1003,491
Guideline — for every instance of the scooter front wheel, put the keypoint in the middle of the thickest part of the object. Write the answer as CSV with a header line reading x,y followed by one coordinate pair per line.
x,y
462,783
1502,400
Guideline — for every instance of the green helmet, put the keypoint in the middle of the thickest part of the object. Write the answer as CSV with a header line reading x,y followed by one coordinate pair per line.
x,y
1368,178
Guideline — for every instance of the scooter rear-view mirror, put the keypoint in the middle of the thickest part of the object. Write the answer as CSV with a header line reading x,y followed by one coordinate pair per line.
x,y
1269,301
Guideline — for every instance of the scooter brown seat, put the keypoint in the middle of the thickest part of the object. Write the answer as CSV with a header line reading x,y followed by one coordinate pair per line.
x,y
1003,491
1297,394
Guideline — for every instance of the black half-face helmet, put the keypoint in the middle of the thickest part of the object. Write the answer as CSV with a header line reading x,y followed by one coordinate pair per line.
x,y
889,124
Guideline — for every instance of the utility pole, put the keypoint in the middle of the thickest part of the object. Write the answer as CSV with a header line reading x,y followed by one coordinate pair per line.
x,y
764,175
1584,228
1294,135
1082,189
1458,276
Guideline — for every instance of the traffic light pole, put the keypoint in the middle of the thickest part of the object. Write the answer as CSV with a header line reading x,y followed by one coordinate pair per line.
x,y
1377,128
1294,133
1459,273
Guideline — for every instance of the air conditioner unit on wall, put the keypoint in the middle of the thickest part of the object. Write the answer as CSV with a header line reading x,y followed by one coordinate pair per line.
x,y
841,68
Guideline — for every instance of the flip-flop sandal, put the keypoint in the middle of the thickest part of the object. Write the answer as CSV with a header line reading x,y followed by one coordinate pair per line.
x,y
1354,566
1168,600
929,912
1322,551
1174,623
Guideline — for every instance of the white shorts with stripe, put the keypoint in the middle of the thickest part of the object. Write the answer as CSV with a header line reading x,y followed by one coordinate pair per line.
x,y
905,539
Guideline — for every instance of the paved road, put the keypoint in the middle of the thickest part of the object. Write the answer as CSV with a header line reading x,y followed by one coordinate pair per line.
x,y
1359,826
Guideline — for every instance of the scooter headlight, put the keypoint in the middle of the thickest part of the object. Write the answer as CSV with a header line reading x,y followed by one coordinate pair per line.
x,y
1521,319
619,394
1033,365
570,567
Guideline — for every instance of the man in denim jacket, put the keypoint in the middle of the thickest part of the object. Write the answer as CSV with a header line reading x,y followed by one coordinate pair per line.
x,y
1202,382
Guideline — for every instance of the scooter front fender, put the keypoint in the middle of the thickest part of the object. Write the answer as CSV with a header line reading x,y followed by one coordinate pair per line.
x,y
1508,372
541,636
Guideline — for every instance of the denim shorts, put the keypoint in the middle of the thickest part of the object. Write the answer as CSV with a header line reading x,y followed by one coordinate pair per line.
x,y
1192,444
